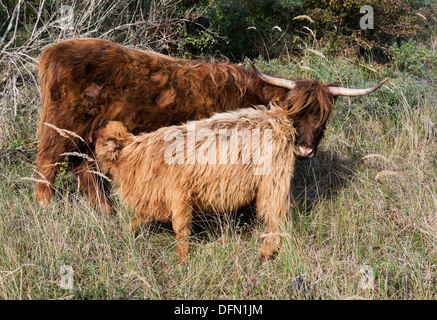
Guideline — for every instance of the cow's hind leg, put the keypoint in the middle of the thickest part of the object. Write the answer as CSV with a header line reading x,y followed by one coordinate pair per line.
x,y
92,184
49,157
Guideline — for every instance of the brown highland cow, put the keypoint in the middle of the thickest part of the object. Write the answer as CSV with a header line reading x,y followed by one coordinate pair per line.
x,y
214,165
85,83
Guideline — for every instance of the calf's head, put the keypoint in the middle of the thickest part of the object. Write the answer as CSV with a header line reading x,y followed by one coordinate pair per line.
x,y
310,104
110,140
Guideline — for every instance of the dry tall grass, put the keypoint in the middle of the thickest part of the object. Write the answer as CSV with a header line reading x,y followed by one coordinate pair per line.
x,y
368,200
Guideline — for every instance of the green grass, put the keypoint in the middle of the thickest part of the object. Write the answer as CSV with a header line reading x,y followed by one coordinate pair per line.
x,y
353,210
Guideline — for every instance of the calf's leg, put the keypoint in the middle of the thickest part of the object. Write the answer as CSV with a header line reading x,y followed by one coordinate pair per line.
x,y
272,205
135,224
181,221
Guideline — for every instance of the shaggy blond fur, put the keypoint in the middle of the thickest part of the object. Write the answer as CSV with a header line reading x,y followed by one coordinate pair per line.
x,y
160,191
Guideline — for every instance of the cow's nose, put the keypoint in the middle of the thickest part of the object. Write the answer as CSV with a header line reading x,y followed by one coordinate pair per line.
x,y
305,152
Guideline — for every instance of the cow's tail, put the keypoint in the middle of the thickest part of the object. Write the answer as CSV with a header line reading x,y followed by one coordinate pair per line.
x,y
47,76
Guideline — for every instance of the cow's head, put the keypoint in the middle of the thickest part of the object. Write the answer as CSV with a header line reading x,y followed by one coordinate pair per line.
x,y
310,104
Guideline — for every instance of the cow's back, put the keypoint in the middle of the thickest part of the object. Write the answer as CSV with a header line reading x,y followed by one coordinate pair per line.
x,y
87,82
83,81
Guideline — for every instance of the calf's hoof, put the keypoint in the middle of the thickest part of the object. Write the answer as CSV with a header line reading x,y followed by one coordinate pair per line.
x,y
105,208
270,248
182,252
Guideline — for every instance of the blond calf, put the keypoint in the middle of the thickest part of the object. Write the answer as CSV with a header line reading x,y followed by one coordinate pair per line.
x,y
163,190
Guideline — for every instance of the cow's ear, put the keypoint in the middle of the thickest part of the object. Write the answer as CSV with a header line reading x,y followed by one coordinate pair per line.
x,y
95,135
92,137
275,94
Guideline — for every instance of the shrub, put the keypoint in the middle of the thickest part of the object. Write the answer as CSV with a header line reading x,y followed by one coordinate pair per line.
x,y
415,58
249,25
338,23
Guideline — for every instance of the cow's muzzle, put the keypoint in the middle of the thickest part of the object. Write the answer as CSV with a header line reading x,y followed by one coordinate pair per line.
x,y
304,152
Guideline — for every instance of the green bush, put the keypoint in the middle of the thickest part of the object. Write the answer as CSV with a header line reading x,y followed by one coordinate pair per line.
x,y
268,28
415,58
248,26
338,24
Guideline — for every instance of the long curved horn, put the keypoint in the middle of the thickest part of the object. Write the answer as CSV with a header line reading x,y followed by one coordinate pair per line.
x,y
280,82
339,91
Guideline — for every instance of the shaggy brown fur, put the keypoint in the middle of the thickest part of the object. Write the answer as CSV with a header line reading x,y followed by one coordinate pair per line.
x,y
157,190
85,83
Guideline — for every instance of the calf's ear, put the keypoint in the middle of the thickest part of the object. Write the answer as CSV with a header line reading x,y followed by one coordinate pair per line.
x,y
110,149
111,144
113,137
116,131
